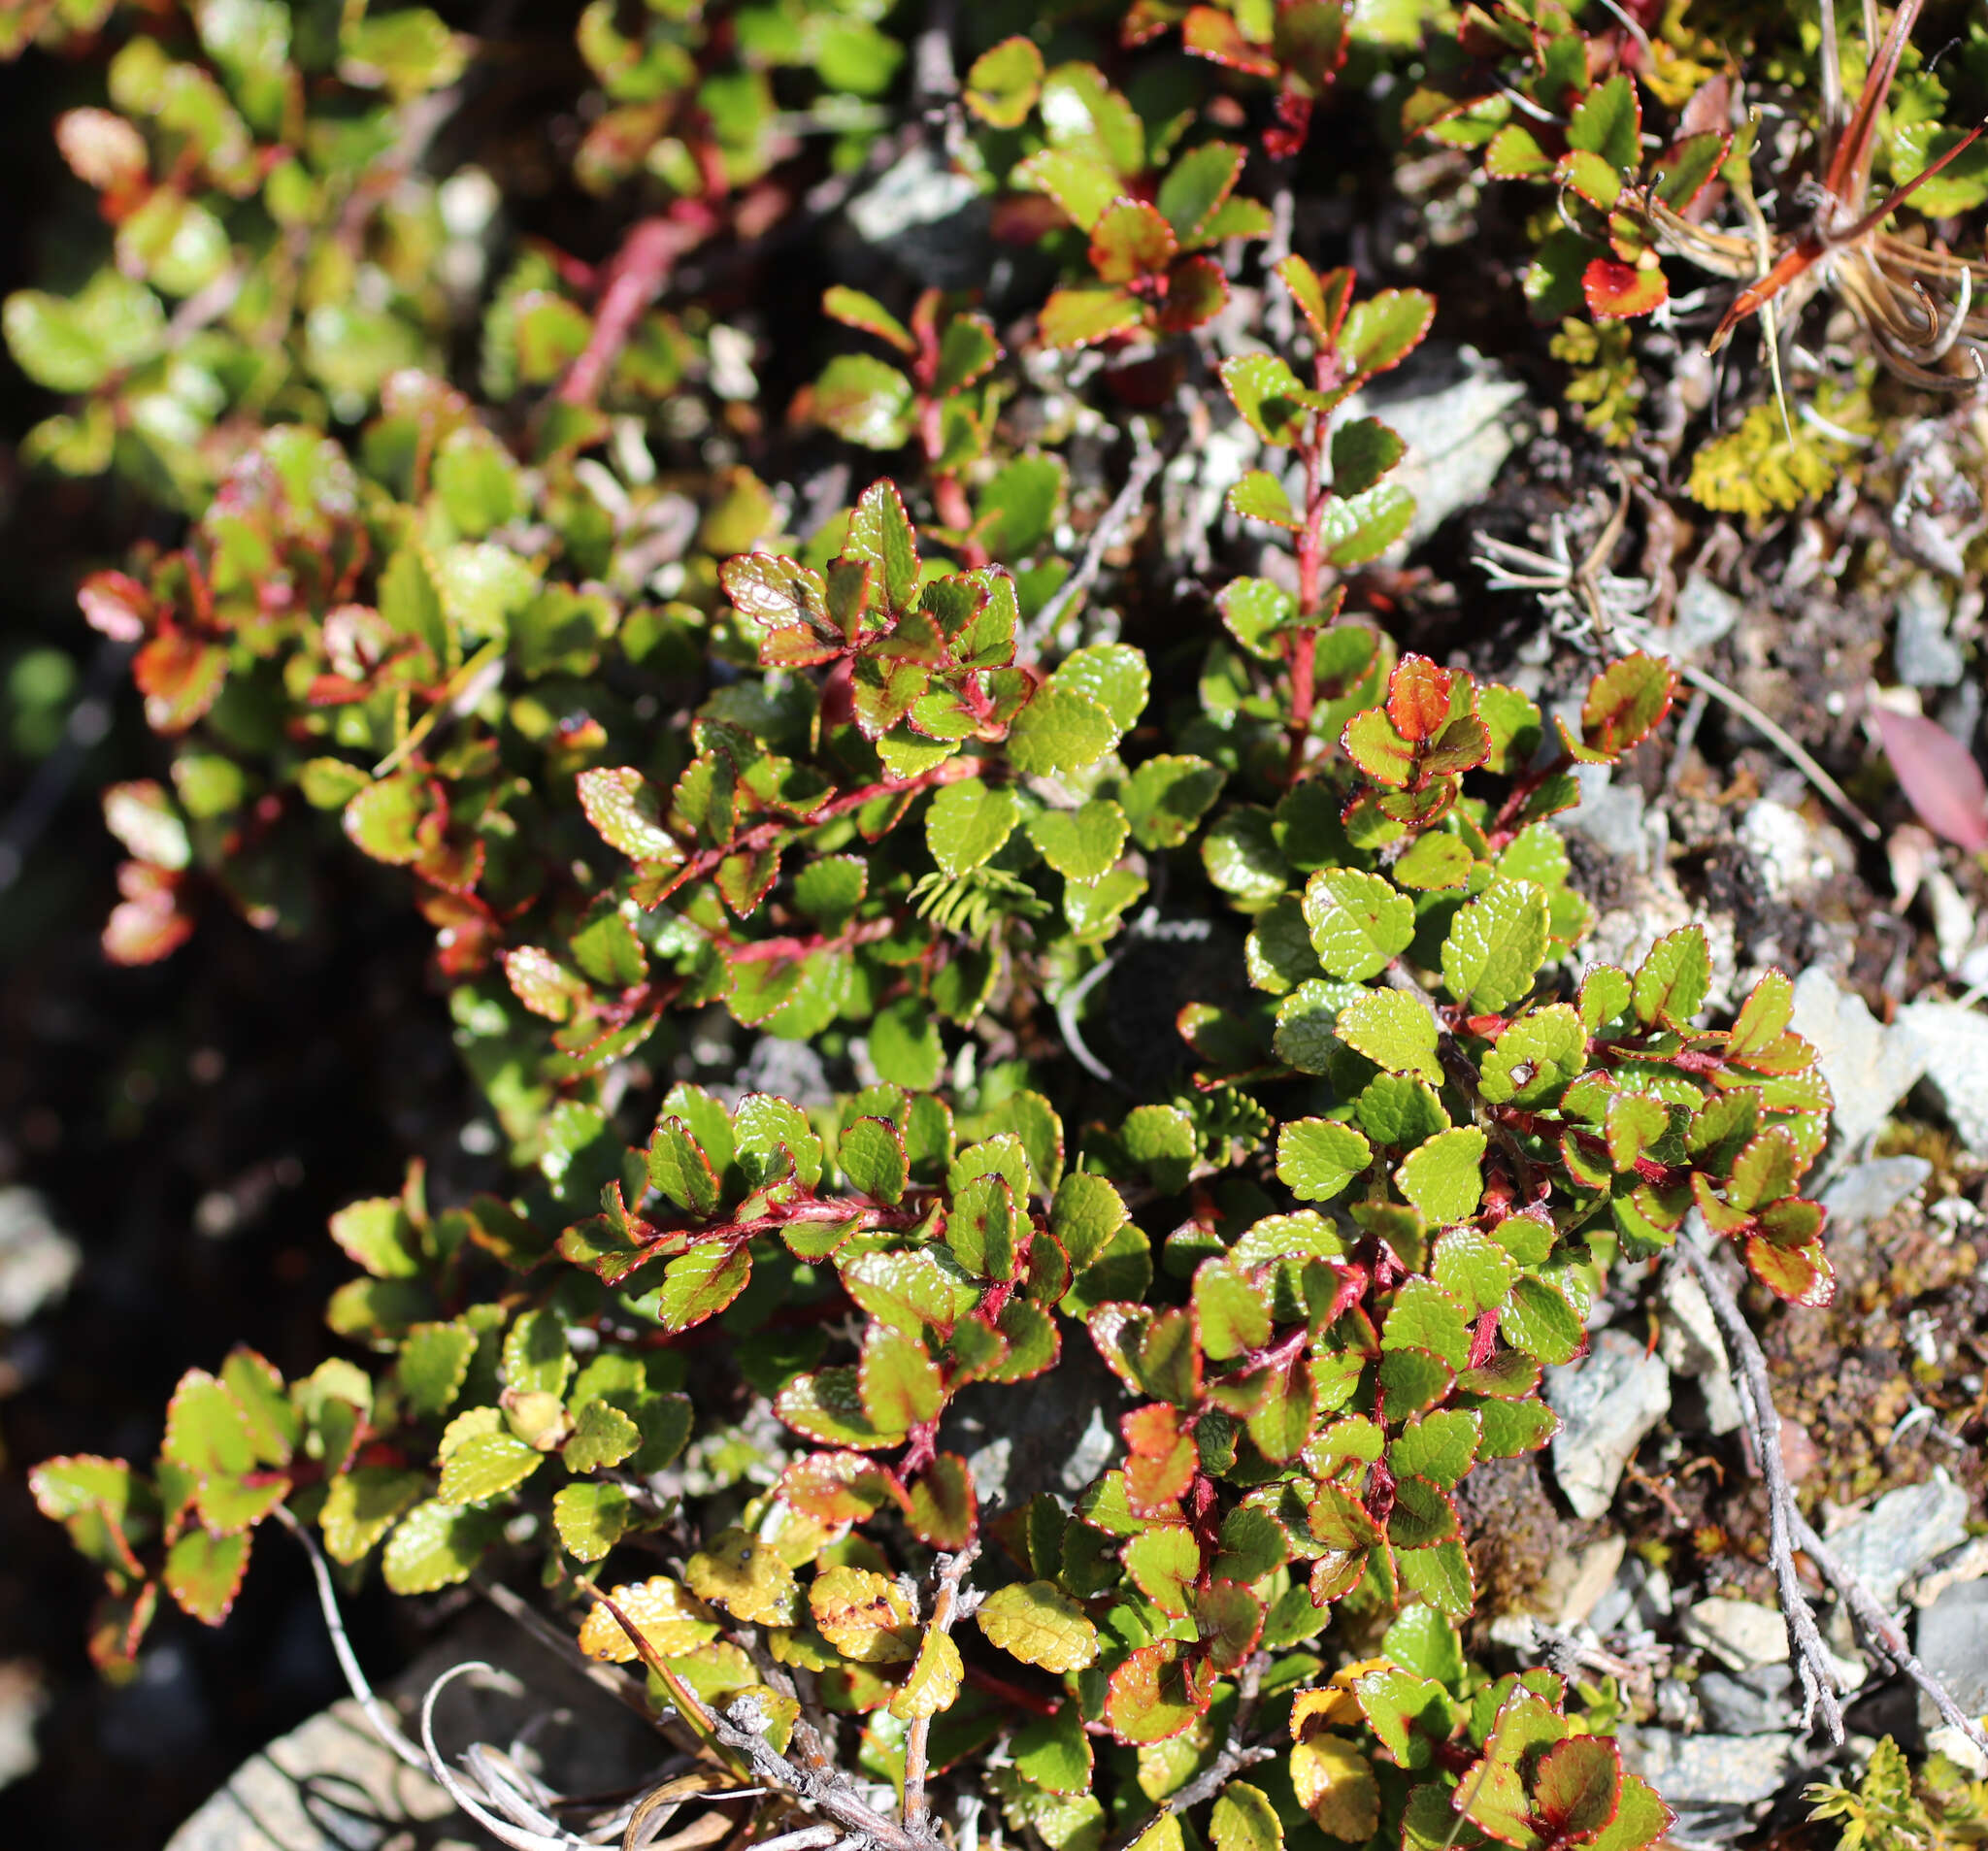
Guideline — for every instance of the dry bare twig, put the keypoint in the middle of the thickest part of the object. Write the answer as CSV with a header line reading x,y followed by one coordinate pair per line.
x,y
947,1573
1790,1530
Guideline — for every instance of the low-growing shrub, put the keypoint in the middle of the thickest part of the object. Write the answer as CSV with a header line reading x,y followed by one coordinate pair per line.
x,y
665,732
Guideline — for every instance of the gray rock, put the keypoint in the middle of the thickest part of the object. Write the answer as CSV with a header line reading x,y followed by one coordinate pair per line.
x,y
332,1785
1692,1347
1951,1638
789,1069
1869,1191
1711,1770
1794,856
1051,1433
934,221
1743,1635
1702,614
37,1259
1611,815
1735,1706
1901,1533
1459,415
1927,658
1954,1049
1606,1402
1870,1067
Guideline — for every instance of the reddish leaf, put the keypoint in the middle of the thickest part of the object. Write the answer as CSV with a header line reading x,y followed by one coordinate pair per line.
x,y
1155,1695
1207,33
839,1487
944,1512
147,924
1578,1786
1196,292
1131,240
116,604
1619,291
1625,703
180,675
1803,1276
1418,697
1940,777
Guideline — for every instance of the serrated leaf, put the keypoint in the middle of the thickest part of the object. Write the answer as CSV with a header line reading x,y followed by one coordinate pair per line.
x,y
1317,1157
747,1578
1363,452
1060,730
487,1465
701,1284
1579,1783
864,1616
1445,1178
1381,332
1393,1031
1267,395
1230,1311
1260,496
1358,922
663,1611
1078,317
1334,1782
435,1545
627,813
1495,946
1054,1752
360,1507
1039,1625
434,1359
1245,1820
1004,82
207,1432
679,1168
1080,844
901,1384
602,1435
590,1519
1167,795
203,1572
1535,1057
872,1156
1670,982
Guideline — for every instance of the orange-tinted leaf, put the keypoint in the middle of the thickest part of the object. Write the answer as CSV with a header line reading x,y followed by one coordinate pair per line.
x,y
1618,291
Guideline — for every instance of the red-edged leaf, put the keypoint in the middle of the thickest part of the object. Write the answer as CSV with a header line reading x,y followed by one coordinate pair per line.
x,y
1625,703
1619,291
1578,1786
1803,1276
839,1487
1196,292
180,677
1156,1695
1131,240
1207,33
1938,775
1419,695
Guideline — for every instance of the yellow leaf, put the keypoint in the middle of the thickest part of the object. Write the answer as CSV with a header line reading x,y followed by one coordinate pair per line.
x,y
864,1616
933,1681
1335,1784
1038,1625
665,1613
748,1579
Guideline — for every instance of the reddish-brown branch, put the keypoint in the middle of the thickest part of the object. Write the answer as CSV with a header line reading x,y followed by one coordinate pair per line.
x,y
634,278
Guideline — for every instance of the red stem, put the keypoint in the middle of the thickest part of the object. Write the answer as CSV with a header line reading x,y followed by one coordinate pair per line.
x,y
634,277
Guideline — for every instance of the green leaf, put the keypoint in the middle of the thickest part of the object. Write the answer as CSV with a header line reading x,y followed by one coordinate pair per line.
x,y
1608,122
1425,1318
1269,396
1440,1447
855,309
1395,1031
207,1432
1317,1157
1196,185
1080,844
378,1236
967,823
1536,1318
867,400
1535,1058
1473,1268
1016,510
487,1465
1575,1790
1358,923
434,1361
830,888
1364,526
907,1291
361,1506
1061,730
1241,855
1399,1111
1230,1311
1363,452
602,1435
1445,1178
1671,981
1166,797
1054,1752
536,1360
1641,1819
1086,1212
436,1545
881,537
590,1519
1160,1139
1004,82
872,1156
1113,674
203,1572
679,1168
1039,1625
1077,318
1130,241
75,344
626,811
1495,946
906,1047
701,1284
1383,331
899,1383
1083,186
1260,496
